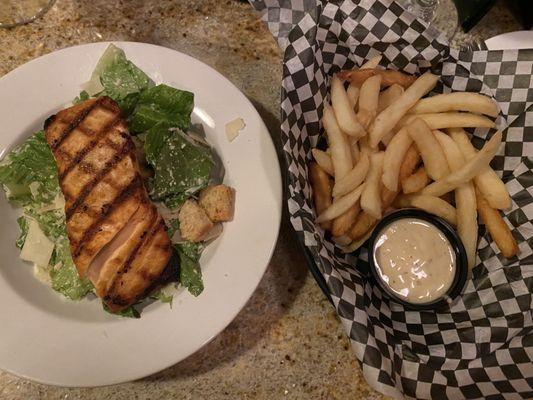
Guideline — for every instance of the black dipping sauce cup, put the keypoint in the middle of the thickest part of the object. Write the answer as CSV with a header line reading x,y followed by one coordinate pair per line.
x,y
461,262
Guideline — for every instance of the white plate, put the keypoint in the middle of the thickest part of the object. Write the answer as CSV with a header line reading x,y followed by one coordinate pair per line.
x,y
55,341
511,41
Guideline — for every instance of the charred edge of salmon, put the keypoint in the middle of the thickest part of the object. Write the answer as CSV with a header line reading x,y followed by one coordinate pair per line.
x,y
100,134
88,188
145,239
48,121
170,273
73,124
135,184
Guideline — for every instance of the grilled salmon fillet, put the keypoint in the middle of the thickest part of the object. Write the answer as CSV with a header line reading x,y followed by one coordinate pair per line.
x,y
117,237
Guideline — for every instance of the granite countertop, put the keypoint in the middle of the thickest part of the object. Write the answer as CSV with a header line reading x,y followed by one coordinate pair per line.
x,y
287,342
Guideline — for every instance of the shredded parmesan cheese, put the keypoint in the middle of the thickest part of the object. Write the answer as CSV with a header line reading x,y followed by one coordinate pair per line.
x,y
233,128
57,204
42,274
34,188
37,247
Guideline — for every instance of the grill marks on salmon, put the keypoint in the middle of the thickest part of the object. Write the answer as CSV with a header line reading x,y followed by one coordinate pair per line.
x,y
132,277
117,237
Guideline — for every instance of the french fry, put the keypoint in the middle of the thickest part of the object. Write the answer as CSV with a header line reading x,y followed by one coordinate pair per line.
x,y
453,156
457,101
364,146
342,224
370,197
417,181
372,63
354,147
450,119
368,100
387,138
324,160
390,116
393,158
410,162
365,223
354,178
343,240
431,204
357,243
389,96
487,181
344,111
498,229
362,226
468,171
465,199
465,202
353,95
388,77
387,197
322,187
430,149
340,205
342,164
341,155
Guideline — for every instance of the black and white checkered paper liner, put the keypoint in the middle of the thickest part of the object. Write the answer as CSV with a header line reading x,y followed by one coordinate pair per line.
x,y
482,347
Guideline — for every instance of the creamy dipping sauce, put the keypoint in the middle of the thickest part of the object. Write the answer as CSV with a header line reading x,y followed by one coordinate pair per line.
x,y
415,260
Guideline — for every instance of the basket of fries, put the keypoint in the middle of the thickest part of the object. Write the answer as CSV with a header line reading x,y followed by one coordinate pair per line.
x,y
377,114
394,148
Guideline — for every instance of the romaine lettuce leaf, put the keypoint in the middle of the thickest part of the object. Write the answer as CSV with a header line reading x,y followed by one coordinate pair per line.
x,y
162,297
155,140
23,225
122,82
175,201
162,103
117,77
110,56
190,271
81,97
181,166
173,226
128,103
129,312
29,172
51,222
29,175
65,278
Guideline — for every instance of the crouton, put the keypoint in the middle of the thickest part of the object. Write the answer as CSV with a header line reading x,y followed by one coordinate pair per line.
x,y
218,202
194,222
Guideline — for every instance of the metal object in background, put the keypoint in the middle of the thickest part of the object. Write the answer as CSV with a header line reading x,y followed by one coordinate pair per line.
x,y
440,14
19,12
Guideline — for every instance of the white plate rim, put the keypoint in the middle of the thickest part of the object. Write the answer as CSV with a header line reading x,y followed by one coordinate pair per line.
x,y
511,41
275,175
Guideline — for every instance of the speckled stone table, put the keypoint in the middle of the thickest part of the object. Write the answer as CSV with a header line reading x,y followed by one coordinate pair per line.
x,y
287,342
